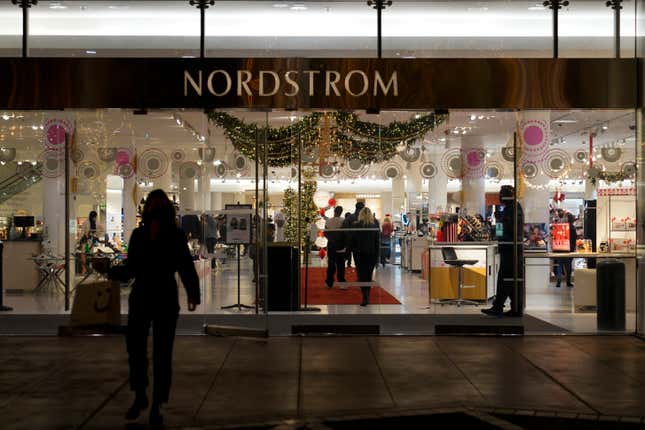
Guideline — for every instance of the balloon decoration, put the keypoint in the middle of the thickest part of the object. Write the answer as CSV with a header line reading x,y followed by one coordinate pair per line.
x,y
558,197
331,202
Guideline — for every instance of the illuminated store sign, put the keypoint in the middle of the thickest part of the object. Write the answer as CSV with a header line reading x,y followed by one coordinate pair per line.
x,y
268,83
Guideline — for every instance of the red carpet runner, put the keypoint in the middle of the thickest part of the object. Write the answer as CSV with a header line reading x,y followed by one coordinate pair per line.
x,y
319,294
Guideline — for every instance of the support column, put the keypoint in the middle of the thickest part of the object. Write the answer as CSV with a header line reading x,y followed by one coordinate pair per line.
x,y
131,199
216,201
187,194
398,196
413,185
535,129
203,202
438,187
473,184
54,215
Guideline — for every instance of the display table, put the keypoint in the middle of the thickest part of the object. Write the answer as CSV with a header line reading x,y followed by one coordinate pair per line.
x,y
412,248
479,280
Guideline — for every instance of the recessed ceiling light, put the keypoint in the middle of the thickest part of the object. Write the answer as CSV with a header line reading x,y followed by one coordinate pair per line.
x,y
298,6
280,5
90,51
537,6
565,121
57,5
187,56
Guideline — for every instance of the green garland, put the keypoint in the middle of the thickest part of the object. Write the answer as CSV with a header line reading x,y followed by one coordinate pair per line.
x,y
351,138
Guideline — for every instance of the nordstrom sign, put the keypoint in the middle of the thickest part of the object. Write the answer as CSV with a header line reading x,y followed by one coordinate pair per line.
x,y
292,83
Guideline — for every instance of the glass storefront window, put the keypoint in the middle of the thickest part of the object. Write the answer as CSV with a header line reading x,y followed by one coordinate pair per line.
x,y
439,189
10,30
115,28
451,29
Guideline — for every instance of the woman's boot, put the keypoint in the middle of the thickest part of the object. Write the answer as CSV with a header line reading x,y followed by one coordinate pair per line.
x,y
139,404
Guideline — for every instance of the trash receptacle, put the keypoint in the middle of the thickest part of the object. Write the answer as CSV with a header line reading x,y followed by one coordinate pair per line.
x,y
610,294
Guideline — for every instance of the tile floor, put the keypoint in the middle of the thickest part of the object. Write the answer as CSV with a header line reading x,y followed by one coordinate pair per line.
x,y
219,288
81,383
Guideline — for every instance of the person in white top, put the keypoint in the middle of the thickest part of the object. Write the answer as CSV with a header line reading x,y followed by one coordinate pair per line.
x,y
280,221
335,248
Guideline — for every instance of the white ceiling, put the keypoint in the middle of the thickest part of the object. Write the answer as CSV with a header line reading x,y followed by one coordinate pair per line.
x,y
315,28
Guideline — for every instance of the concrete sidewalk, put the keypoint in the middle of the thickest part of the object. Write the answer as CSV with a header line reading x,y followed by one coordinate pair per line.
x,y
73,383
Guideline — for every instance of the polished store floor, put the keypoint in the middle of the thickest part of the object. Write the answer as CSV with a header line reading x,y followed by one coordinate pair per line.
x,y
302,382
219,288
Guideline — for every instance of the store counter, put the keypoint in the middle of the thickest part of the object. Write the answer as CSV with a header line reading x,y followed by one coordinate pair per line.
x,y
480,279
19,271
412,248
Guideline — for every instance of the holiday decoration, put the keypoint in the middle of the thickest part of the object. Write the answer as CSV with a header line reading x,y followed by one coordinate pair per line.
x,y
322,253
153,163
308,209
332,202
558,197
349,137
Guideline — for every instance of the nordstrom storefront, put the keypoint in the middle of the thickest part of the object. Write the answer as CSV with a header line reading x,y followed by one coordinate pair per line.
x,y
258,140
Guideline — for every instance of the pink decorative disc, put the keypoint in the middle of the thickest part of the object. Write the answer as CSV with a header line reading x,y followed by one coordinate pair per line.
x,y
533,135
473,159
122,157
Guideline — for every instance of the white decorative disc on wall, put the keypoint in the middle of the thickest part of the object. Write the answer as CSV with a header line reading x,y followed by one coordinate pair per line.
x,y
189,170
428,170
153,163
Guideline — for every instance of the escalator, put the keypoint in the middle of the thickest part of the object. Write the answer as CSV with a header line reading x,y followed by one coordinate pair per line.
x,y
26,176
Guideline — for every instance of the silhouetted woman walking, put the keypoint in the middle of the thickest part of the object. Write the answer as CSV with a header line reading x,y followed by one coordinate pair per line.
x,y
157,250
365,245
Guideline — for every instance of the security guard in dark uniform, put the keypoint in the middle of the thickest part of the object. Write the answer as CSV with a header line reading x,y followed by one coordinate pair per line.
x,y
505,277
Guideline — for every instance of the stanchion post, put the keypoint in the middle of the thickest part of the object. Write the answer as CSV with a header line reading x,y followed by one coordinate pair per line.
x,y
2,306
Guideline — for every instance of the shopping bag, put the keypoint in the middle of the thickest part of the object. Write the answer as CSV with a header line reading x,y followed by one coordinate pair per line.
x,y
96,303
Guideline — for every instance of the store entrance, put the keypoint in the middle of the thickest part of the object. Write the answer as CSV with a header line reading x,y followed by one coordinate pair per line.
x,y
270,200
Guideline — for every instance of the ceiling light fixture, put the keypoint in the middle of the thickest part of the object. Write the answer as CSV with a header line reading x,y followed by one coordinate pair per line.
x,y
90,51
298,7
57,5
